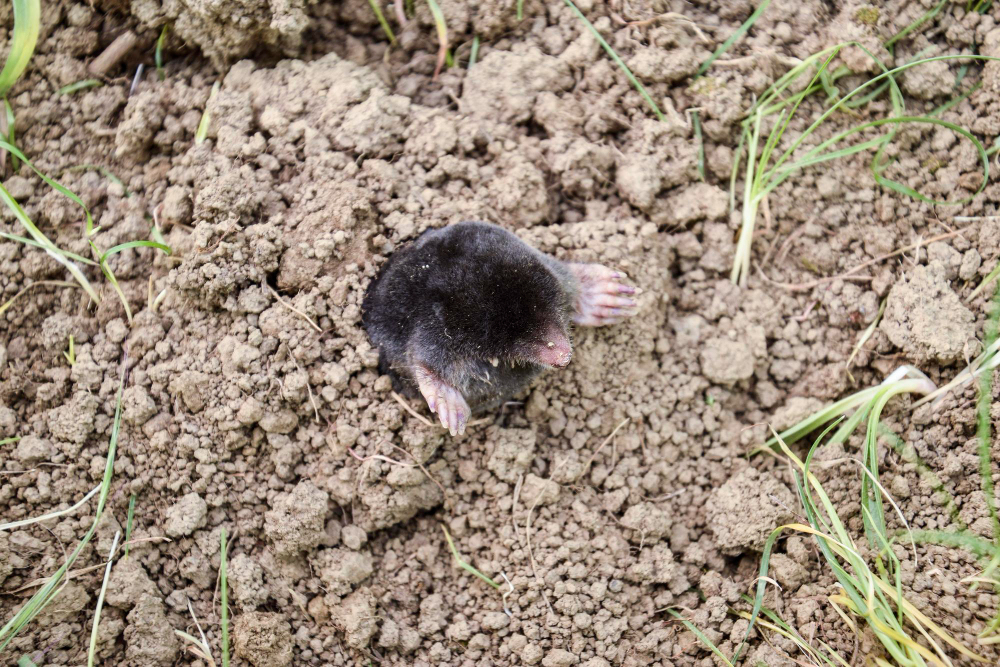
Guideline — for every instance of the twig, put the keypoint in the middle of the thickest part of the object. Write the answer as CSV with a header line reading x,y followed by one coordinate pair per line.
x,y
406,406
112,55
293,309
378,457
801,287
444,496
598,450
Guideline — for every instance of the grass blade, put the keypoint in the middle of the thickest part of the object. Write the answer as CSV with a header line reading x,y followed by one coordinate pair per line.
x,y
71,88
52,283
696,124
442,31
27,21
464,565
732,38
475,51
128,523
51,515
618,61
134,244
381,19
701,636
206,116
158,54
224,612
91,654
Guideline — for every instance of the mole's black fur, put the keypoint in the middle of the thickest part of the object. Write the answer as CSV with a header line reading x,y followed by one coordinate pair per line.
x,y
472,303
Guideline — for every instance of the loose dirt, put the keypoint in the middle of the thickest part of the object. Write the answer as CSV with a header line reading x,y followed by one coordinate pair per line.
x,y
253,401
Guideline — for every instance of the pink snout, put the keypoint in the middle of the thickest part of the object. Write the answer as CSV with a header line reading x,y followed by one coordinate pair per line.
x,y
556,352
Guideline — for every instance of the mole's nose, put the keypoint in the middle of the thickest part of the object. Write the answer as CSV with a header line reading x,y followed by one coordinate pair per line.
x,y
556,352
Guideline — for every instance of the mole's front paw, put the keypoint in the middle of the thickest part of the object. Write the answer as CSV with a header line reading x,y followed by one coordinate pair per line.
x,y
601,297
443,400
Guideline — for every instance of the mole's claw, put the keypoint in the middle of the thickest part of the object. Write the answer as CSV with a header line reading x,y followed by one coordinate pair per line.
x,y
445,401
597,301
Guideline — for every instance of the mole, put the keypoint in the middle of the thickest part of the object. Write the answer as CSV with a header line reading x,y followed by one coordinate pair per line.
x,y
469,314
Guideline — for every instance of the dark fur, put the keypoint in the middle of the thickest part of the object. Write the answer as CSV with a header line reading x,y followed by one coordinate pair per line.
x,y
460,297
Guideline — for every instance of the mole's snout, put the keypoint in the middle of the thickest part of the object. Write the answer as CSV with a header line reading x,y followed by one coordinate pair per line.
x,y
556,351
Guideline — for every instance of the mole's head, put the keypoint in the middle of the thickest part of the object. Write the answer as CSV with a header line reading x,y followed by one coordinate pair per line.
x,y
508,309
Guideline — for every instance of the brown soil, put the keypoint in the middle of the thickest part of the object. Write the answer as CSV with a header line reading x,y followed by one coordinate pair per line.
x,y
253,402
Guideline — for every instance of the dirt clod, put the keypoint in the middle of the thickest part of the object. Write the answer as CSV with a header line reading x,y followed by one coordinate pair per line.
x,y
263,639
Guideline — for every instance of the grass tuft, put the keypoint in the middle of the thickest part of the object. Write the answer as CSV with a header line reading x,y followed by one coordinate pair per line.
x,y
766,168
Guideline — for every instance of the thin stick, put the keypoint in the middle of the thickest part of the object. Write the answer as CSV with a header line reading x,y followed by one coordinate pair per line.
x,y
444,496
801,287
598,450
293,309
112,55
406,406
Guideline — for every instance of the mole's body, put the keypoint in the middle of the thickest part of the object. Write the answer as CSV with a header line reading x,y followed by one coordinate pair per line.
x,y
469,315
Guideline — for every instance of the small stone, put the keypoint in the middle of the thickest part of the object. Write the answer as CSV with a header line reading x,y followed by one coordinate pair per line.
x,y
116,330
283,421
726,361
558,657
186,516
263,639
353,537
250,412
137,406
538,491
925,318
32,449
495,620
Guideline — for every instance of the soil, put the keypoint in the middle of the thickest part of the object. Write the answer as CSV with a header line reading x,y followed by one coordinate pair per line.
x,y
613,489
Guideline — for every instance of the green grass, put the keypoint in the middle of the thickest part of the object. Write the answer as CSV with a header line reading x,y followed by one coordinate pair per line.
x,y
70,354
158,54
767,166
128,523
71,88
92,652
27,21
463,564
614,56
732,38
442,30
696,124
47,593
381,19
474,53
870,591
224,611
706,642
206,116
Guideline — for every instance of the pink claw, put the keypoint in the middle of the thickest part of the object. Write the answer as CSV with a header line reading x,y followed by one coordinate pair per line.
x,y
597,302
443,399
